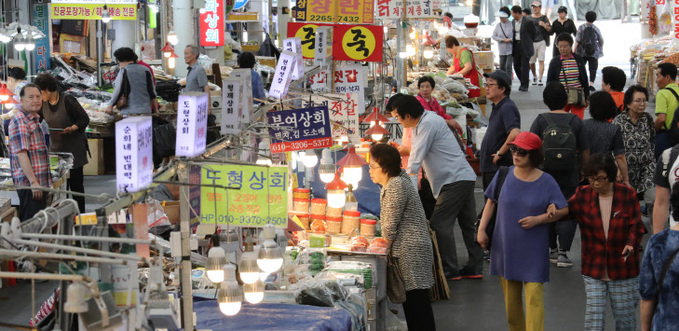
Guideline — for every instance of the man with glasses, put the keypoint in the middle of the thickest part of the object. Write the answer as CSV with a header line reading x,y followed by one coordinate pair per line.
x,y
503,126
563,138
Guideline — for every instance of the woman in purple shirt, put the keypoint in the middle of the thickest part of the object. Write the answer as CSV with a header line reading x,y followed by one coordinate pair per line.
x,y
529,200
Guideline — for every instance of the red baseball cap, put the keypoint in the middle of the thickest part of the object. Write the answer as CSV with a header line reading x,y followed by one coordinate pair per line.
x,y
527,140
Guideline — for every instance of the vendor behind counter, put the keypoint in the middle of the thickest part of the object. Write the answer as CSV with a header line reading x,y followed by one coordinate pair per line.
x,y
463,64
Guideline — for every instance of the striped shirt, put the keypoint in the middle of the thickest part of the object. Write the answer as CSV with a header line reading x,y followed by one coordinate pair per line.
x,y
570,74
25,134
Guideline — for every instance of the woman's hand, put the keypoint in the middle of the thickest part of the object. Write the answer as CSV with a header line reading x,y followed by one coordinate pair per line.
x,y
626,252
482,239
551,210
530,222
70,129
109,109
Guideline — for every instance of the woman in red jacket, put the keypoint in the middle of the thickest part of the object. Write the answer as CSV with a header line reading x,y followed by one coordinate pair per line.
x,y
611,232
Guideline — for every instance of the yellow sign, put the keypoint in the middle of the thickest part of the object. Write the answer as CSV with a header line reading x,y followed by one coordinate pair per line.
x,y
358,43
335,11
258,196
62,11
308,35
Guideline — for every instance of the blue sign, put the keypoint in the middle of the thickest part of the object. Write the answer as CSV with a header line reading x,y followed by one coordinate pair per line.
x,y
239,4
42,45
300,129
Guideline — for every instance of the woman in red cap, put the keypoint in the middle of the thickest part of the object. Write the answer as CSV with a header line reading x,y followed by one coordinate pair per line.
x,y
529,200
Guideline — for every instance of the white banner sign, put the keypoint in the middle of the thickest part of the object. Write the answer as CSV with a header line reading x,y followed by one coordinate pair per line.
x,y
134,153
414,9
349,79
281,79
232,91
245,76
343,110
191,123
323,45
295,45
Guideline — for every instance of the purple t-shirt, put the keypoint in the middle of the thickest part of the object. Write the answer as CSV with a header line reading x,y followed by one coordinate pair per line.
x,y
520,254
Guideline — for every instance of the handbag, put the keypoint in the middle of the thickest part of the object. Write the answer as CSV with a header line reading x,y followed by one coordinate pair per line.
x,y
576,95
396,289
123,98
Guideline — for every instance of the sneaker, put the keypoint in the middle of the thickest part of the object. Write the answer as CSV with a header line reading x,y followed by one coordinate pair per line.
x,y
540,82
453,275
563,261
553,255
535,81
468,273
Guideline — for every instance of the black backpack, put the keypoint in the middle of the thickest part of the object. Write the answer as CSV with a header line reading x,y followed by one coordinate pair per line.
x,y
673,130
589,41
559,145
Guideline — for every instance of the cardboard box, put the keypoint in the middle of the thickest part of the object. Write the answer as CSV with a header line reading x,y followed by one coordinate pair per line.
x,y
96,165
172,211
484,59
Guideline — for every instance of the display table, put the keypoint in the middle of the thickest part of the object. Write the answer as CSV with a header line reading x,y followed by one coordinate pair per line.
x,y
271,316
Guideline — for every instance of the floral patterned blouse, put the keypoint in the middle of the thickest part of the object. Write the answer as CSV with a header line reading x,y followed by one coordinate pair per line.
x,y
639,140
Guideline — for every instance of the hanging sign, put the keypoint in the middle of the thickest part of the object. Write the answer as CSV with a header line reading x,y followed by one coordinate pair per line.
x,y
232,94
320,82
349,79
414,9
357,43
307,34
212,23
88,11
42,45
281,79
323,47
341,11
134,153
299,129
245,77
294,45
191,123
343,111
258,197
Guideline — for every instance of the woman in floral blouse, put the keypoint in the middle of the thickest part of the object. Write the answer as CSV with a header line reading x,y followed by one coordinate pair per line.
x,y
638,134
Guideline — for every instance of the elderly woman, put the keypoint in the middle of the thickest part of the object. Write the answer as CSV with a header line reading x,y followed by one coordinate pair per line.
x,y
464,64
562,25
638,134
611,232
569,69
67,120
605,137
504,34
404,226
140,80
659,276
529,200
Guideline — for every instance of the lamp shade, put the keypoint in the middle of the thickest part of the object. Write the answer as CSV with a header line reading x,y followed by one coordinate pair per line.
x,y
375,117
270,257
216,258
352,159
5,93
167,50
230,294
377,132
336,195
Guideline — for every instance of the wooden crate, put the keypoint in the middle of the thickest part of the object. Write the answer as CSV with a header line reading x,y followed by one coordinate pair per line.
x,y
96,165
250,48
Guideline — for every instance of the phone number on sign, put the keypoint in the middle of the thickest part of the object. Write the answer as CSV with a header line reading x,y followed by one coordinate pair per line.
x,y
245,220
301,145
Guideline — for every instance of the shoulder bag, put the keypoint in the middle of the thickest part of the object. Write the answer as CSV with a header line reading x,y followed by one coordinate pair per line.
x,y
576,95
396,289
123,98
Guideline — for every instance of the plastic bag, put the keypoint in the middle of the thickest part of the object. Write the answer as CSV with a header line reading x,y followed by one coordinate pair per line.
x,y
314,293
393,323
156,214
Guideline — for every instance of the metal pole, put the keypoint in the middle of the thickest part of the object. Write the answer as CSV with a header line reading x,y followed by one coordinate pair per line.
x,y
185,230
100,53
55,256
87,238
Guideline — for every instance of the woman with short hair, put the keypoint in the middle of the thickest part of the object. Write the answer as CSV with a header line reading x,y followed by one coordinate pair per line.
x,y
142,90
529,200
405,228
463,64
568,69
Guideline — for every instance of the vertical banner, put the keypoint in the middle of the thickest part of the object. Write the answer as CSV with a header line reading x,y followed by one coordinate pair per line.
x,y
282,76
232,95
191,124
323,45
295,45
245,77
351,79
42,45
212,23
134,153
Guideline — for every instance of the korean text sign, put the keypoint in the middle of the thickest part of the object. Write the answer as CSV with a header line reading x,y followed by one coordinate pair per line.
x,y
323,45
414,8
357,43
245,77
42,45
258,197
281,79
134,153
191,124
343,110
294,45
62,11
232,94
340,11
307,34
299,129
212,24
350,78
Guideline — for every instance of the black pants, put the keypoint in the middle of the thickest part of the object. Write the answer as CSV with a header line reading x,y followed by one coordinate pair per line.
x,y
563,230
593,66
75,184
417,309
29,206
521,65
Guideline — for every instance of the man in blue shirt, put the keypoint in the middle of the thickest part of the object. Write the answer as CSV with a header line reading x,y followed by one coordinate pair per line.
x,y
196,79
452,182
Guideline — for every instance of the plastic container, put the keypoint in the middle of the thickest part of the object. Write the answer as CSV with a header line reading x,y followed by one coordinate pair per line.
x,y
350,222
318,206
333,225
318,224
301,193
300,205
334,212
368,227
304,218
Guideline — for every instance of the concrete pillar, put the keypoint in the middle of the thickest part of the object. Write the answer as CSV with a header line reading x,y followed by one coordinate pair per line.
x,y
283,19
255,28
125,34
183,14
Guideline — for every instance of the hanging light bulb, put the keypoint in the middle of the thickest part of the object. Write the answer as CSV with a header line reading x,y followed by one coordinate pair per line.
x,y
375,118
216,259
336,195
263,148
254,293
270,257
76,298
171,62
105,16
247,267
310,159
326,171
377,132
353,166
29,43
230,294
9,103
172,38
428,54
5,93
19,42
167,50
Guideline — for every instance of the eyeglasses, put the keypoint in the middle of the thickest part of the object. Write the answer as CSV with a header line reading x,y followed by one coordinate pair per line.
x,y
640,100
373,167
518,151
600,179
491,84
